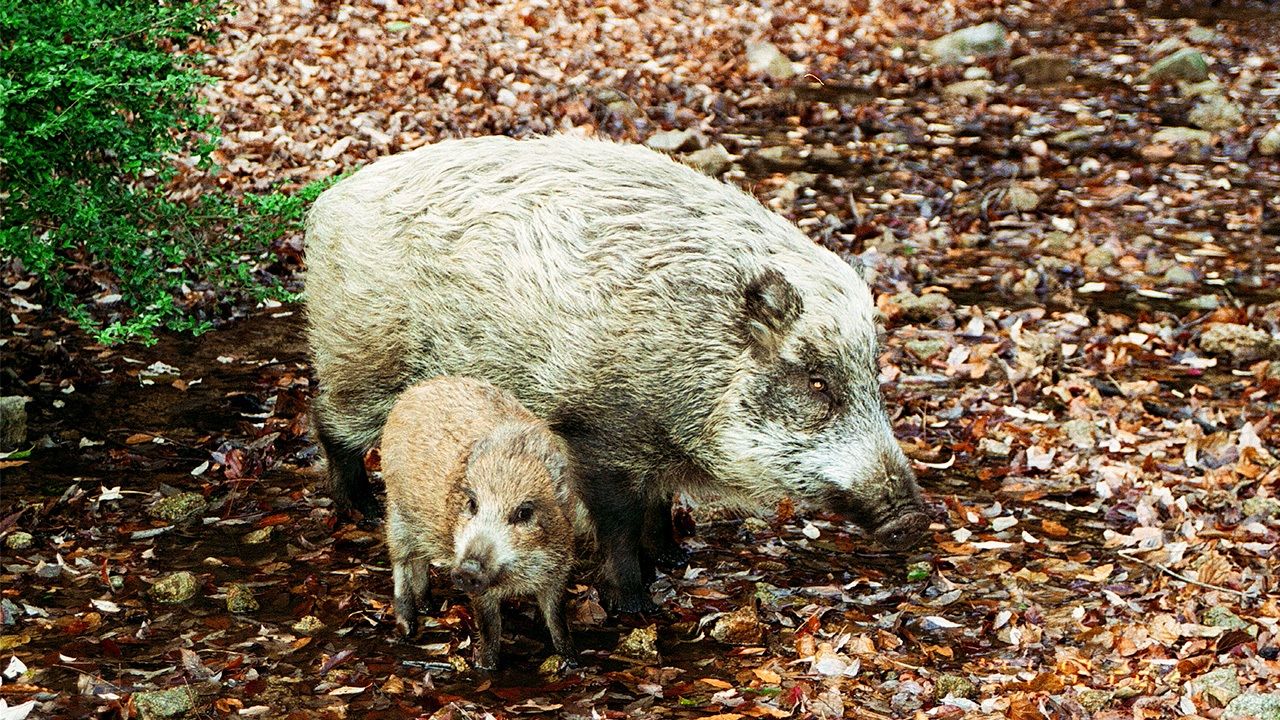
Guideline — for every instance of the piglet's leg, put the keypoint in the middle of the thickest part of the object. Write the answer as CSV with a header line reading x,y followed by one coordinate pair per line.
x,y
421,585
486,610
405,578
552,602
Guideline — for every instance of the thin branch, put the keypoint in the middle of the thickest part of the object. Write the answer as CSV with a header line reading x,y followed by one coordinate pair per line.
x,y
1176,575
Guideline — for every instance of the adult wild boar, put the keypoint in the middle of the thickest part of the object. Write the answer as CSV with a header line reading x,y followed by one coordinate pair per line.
x,y
676,333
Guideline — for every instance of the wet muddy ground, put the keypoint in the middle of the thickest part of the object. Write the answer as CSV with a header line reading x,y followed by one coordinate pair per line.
x,y
1101,461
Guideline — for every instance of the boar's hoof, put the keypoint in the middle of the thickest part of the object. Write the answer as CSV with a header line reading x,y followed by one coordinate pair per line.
x,y
634,603
905,532
670,556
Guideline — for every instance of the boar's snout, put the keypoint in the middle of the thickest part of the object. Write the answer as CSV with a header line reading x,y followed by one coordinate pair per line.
x,y
904,532
471,576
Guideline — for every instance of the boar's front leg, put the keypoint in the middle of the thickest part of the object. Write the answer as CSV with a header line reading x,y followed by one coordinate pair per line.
x,y
619,517
486,611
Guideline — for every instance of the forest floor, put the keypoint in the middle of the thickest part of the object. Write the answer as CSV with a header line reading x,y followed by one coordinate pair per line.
x,y
1074,245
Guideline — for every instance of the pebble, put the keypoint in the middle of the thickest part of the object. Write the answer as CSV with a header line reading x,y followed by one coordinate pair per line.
x,y
175,588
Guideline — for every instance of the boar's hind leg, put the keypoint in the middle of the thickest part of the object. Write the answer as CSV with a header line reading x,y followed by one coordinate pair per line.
x,y
661,549
348,480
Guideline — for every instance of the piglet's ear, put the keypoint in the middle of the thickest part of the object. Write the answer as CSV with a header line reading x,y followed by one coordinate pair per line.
x,y
770,305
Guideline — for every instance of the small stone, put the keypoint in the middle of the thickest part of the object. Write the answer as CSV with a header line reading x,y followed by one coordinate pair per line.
x,y
1066,138
1263,507
1100,257
1220,616
640,645
508,98
753,524
308,625
1215,112
740,627
975,41
1057,241
925,348
673,141
1222,685
258,537
977,72
1042,68
1021,198
1253,706
18,540
1082,434
929,306
970,89
1187,64
1182,136
1269,144
1202,35
765,57
1202,302
1179,275
176,508
13,422
1240,342
1204,88
1093,700
712,160
240,599
551,666
994,448
955,686
175,588
161,704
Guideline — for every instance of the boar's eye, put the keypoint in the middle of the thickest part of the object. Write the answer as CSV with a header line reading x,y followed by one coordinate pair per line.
x,y
472,505
522,514
819,385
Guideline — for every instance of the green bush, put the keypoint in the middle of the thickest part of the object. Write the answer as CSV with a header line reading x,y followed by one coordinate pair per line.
x,y
98,98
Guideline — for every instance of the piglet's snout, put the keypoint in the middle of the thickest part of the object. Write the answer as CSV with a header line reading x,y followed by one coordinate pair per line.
x,y
905,531
471,576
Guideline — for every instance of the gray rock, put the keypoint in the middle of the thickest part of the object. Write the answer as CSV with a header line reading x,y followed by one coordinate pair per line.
x,y
1204,88
1201,35
971,89
712,160
1100,257
977,72
240,599
640,645
162,704
1182,136
1220,616
1215,112
13,422
1241,343
1094,700
740,627
673,141
19,540
174,589
1202,302
927,307
1187,65
1253,706
1042,68
925,348
176,508
1269,144
308,625
982,40
1221,684
1021,198
1261,507
955,686
765,57
1179,275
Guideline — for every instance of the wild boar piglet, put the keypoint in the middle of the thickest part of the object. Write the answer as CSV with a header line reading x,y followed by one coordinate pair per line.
x,y
478,484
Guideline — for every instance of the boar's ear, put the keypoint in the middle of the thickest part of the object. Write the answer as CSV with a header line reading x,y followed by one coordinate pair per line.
x,y
771,304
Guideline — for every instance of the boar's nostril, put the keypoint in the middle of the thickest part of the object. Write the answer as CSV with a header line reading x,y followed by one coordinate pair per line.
x,y
905,532
469,576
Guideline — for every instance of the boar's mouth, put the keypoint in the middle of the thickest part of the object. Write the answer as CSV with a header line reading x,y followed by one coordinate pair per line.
x,y
898,527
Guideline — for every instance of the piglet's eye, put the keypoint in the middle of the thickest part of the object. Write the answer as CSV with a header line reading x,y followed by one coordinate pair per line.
x,y
472,506
522,514
817,384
